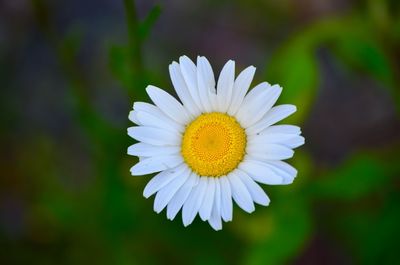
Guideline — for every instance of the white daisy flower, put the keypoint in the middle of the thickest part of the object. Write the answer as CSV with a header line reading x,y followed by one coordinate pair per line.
x,y
214,145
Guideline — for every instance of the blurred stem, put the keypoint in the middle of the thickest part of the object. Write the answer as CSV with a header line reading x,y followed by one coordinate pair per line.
x,y
66,55
135,43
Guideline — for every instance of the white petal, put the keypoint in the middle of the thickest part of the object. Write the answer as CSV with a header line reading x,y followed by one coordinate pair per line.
x,y
260,172
283,169
189,73
193,202
257,102
240,193
217,196
156,164
162,179
240,88
283,129
269,151
182,90
147,107
168,104
181,195
151,109
142,149
151,120
154,136
275,114
208,201
294,142
205,83
225,86
154,111
215,219
270,138
226,199
165,194
132,117
288,140
257,193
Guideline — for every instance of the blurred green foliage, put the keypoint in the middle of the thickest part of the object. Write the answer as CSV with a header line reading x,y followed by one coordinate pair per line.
x,y
107,221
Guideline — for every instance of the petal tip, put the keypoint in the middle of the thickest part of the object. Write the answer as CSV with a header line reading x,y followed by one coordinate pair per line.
x,y
146,194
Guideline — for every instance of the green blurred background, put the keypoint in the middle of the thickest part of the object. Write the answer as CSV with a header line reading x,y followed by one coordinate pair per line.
x,y
70,71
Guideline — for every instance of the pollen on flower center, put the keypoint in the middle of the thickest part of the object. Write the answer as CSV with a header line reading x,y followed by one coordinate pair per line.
x,y
213,144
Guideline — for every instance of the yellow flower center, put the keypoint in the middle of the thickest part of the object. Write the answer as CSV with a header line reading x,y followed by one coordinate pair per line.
x,y
213,144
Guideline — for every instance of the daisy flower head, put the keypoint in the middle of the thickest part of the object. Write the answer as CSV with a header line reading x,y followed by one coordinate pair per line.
x,y
215,145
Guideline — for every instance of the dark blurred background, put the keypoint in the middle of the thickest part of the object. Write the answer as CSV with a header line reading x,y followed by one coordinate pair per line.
x,y
70,71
